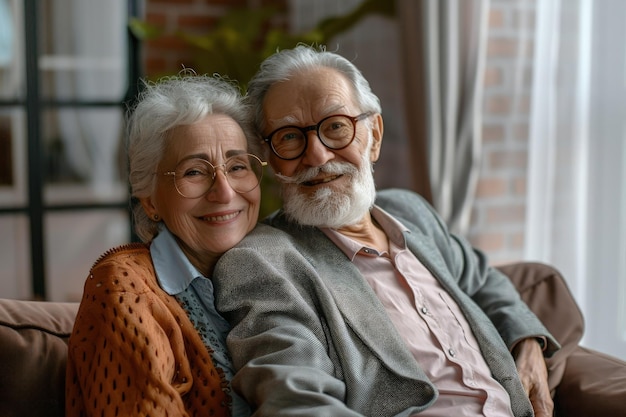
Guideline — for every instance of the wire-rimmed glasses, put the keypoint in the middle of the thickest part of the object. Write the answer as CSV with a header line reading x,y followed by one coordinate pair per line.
x,y
335,132
195,176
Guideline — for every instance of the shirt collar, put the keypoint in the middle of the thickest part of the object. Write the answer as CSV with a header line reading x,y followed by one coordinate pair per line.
x,y
173,269
392,227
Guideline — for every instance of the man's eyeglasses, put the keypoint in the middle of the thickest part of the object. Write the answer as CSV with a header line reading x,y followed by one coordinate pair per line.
x,y
335,132
194,177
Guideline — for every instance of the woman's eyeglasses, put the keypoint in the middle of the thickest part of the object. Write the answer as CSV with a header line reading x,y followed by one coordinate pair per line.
x,y
194,177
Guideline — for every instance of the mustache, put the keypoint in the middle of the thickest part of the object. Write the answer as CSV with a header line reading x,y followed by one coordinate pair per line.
x,y
332,168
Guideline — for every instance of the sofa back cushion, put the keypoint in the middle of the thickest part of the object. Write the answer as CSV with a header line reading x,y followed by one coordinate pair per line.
x,y
33,355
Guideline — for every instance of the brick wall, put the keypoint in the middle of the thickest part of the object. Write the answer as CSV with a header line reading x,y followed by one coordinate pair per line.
x,y
168,53
498,217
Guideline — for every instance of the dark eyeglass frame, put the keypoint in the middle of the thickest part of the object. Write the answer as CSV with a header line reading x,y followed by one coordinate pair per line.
x,y
214,172
316,127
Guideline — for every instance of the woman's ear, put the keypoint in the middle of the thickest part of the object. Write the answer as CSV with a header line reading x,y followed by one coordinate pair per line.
x,y
377,136
148,207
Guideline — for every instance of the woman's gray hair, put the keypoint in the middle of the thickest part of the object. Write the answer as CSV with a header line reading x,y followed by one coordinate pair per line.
x,y
286,63
161,106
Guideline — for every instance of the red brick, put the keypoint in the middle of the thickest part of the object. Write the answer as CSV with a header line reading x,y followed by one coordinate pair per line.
x,y
196,21
496,18
157,19
493,76
491,187
492,133
488,242
512,160
229,3
502,47
167,42
281,5
498,104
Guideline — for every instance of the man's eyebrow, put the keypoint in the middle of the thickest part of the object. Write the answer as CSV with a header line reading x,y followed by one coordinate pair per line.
x,y
284,121
292,120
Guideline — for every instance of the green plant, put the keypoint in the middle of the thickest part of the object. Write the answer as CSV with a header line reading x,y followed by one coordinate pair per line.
x,y
243,38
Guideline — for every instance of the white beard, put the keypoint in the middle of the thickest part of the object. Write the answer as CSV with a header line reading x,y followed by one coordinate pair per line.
x,y
328,207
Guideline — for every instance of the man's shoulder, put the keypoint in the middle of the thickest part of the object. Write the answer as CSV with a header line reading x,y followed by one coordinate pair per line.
x,y
413,210
400,200
264,234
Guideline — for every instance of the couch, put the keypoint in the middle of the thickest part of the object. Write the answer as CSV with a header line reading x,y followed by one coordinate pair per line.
x,y
33,352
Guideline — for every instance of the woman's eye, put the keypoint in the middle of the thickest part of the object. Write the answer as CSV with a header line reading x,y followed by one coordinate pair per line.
x,y
192,173
195,171
237,168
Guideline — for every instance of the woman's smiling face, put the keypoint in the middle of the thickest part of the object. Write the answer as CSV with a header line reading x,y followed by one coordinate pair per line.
x,y
209,225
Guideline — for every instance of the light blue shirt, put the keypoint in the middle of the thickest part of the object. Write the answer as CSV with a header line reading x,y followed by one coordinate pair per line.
x,y
179,278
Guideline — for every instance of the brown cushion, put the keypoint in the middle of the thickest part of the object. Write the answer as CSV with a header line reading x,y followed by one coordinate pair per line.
x,y
546,293
594,384
33,355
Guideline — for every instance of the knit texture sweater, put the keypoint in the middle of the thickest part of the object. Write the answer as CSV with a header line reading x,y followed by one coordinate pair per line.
x,y
134,350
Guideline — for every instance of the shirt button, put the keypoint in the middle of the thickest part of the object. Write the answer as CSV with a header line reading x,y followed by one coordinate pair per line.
x,y
452,352
424,310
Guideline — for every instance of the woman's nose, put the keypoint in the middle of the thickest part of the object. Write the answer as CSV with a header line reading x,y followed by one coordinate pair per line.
x,y
221,190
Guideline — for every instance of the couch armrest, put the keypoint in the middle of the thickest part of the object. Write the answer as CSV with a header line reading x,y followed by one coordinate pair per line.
x,y
546,293
594,384
33,356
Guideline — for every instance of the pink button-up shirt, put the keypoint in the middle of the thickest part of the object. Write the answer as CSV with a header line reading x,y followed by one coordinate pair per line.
x,y
430,322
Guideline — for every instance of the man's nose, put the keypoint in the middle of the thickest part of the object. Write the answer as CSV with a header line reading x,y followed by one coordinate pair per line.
x,y
316,153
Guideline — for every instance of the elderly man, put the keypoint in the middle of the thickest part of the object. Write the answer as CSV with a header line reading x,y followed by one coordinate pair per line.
x,y
363,303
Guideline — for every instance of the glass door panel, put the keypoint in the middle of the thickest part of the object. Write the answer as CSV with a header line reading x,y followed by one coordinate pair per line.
x,y
15,272
74,241
85,156
83,49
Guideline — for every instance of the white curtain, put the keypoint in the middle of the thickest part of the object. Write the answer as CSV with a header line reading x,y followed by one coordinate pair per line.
x,y
577,159
87,61
11,63
444,46
89,47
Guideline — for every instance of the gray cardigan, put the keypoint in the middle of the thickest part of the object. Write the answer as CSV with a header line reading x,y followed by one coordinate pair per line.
x,y
310,337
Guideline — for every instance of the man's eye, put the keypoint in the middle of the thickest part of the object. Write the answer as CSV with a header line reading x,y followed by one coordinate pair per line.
x,y
289,136
337,125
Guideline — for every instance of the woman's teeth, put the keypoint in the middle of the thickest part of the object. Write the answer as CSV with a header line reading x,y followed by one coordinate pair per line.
x,y
221,218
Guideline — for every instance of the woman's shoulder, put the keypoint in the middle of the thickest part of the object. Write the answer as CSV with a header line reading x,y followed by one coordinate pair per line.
x,y
126,267
117,253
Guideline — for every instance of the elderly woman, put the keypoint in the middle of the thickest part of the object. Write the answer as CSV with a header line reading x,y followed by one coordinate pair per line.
x,y
147,338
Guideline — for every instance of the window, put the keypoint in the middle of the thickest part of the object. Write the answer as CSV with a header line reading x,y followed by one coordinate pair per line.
x,y
66,71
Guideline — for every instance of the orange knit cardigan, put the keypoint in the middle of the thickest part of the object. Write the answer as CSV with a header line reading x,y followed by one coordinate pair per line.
x,y
134,351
